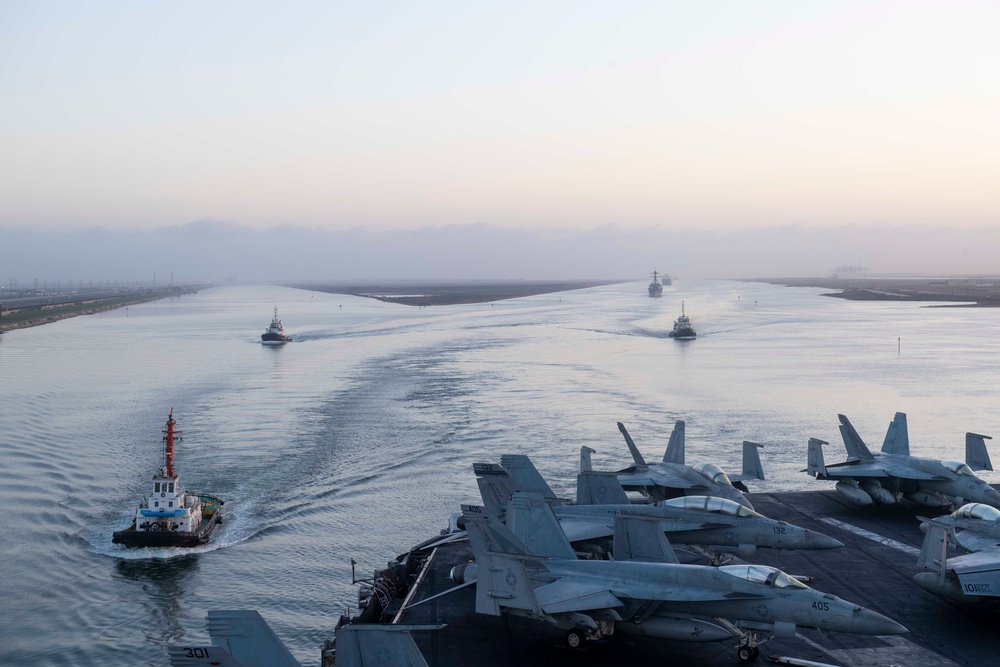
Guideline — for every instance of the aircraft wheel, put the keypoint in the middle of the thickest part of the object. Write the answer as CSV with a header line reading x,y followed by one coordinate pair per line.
x,y
755,653
746,654
574,639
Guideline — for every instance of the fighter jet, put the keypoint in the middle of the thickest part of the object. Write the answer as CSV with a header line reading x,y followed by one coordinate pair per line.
x,y
674,478
244,639
717,525
644,590
866,478
973,577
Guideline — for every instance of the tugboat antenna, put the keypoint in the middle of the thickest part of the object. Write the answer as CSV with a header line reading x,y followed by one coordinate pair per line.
x,y
168,445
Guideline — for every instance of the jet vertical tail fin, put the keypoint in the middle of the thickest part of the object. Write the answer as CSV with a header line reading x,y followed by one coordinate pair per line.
x,y
641,538
752,469
531,520
502,560
640,463
201,656
897,437
486,533
856,447
934,550
814,458
976,455
248,638
600,488
504,582
675,447
496,488
586,465
526,475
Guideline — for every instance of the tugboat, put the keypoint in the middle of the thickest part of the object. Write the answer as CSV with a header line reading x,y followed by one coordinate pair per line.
x,y
655,288
682,327
170,516
275,334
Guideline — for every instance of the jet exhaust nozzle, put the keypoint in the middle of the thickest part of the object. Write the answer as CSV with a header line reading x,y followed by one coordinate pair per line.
x,y
463,573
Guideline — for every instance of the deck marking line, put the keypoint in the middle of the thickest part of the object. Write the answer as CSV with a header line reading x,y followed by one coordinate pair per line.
x,y
875,537
899,652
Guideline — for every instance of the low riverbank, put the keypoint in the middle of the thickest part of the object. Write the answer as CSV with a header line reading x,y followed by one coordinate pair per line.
x,y
452,293
963,292
36,315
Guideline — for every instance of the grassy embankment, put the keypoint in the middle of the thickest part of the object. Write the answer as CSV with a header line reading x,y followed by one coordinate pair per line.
x,y
31,316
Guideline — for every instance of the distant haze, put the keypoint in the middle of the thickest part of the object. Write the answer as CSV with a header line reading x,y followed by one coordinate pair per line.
x,y
209,251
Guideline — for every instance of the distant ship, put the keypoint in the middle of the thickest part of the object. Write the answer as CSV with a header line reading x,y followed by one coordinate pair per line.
x,y
275,334
170,516
682,327
655,288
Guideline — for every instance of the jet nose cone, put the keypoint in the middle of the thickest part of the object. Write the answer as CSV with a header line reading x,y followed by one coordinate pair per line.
x,y
816,540
742,500
992,497
868,622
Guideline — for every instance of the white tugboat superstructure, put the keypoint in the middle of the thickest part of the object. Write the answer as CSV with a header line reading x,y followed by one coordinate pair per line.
x,y
682,327
275,334
169,515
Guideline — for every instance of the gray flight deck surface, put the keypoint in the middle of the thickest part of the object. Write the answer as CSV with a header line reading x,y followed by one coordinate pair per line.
x,y
875,569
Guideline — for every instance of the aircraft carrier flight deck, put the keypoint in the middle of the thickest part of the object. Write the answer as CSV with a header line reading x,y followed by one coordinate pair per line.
x,y
875,569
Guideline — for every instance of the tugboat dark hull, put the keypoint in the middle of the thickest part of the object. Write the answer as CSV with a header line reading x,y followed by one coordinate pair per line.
x,y
684,334
131,537
274,339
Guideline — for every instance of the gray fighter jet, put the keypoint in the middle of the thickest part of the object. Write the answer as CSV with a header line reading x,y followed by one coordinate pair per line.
x,y
242,638
644,590
972,577
673,478
866,478
717,525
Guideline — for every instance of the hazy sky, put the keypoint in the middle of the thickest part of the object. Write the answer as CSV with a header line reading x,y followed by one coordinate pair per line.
x,y
572,115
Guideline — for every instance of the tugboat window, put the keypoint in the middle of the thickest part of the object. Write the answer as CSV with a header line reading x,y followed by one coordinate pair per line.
x,y
171,489
171,503
157,504
156,486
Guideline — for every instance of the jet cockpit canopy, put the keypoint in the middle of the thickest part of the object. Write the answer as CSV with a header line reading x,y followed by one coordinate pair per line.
x,y
977,511
958,468
713,472
711,504
763,574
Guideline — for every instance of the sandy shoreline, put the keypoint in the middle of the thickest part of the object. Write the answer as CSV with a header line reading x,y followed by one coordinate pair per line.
x,y
33,316
451,293
964,292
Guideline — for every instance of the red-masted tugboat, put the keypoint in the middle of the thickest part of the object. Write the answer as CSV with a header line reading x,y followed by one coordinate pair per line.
x,y
170,516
